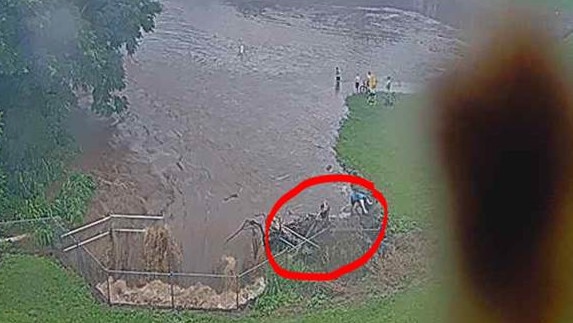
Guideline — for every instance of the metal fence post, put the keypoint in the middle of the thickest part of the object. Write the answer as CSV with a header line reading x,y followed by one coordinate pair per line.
x,y
171,286
78,260
108,290
237,289
111,254
169,264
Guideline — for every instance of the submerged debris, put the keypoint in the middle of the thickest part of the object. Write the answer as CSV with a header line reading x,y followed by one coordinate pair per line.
x,y
161,252
198,296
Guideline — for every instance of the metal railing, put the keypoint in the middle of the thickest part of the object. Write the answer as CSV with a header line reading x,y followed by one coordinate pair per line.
x,y
177,290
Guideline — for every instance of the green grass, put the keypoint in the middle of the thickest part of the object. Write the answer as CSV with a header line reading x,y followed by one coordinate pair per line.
x,y
35,289
563,5
568,50
415,305
391,148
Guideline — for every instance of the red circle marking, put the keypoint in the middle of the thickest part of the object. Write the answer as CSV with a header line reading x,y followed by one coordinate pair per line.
x,y
332,275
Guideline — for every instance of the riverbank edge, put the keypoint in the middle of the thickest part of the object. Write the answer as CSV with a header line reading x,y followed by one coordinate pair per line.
x,y
368,302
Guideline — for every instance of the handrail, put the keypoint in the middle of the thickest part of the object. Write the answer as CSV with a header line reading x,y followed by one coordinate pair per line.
x,y
87,226
79,244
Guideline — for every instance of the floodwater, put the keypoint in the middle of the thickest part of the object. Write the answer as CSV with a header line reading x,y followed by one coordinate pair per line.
x,y
213,137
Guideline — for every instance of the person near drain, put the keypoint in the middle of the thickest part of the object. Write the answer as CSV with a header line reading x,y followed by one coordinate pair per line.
x,y
358,198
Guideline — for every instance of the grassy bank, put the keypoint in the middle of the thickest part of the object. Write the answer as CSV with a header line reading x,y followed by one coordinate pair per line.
x,y
391,148
35,289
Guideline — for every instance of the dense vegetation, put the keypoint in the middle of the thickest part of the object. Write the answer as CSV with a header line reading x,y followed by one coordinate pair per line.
x,y
52,51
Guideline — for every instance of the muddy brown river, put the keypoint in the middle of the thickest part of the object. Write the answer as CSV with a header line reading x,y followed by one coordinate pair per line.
x,y
213,137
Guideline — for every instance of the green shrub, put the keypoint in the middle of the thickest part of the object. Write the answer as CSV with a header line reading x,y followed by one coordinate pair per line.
x,y
74,197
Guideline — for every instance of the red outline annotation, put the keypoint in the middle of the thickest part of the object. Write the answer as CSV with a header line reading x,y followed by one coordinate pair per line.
x,y
337,273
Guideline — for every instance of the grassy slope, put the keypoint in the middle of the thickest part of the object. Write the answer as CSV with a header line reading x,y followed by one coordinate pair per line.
x,y
37,289
561,4
34,289
568,50
390,148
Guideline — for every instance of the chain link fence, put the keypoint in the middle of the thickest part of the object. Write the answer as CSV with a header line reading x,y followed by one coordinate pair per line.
x,y
104,252
110,255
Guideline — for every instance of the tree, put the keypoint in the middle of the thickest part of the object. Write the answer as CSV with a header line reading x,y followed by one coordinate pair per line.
x,y
50,50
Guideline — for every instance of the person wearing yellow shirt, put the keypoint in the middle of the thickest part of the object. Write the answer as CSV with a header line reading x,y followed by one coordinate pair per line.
x,y
372,82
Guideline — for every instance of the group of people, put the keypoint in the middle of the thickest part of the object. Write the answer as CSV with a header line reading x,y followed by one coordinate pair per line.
x,y
370,83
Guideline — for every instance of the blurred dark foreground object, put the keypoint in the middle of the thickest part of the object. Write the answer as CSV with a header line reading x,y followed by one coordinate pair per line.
x,y
505,136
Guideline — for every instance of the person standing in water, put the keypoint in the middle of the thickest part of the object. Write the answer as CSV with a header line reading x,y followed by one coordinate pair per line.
x,y
337,86
388,84
241,53
357,83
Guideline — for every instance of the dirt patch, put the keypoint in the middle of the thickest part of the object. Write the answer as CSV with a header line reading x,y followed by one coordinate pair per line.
x,y
405,260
